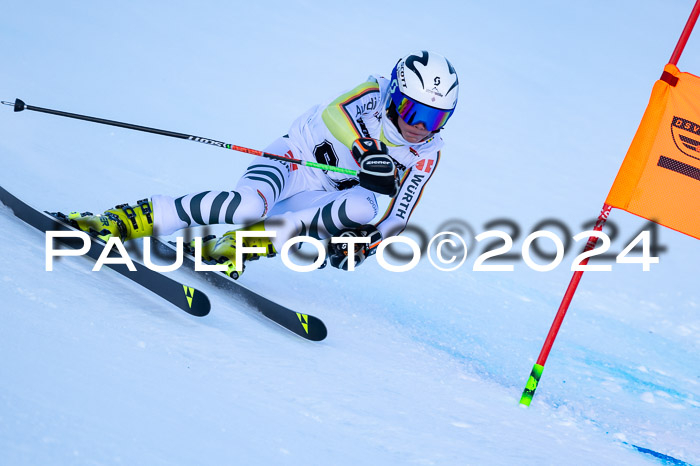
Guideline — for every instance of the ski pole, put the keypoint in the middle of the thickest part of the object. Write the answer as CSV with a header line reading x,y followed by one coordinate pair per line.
x,y
19,105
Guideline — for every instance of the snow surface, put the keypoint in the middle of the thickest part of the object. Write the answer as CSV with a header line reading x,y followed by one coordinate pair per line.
x,y
423,367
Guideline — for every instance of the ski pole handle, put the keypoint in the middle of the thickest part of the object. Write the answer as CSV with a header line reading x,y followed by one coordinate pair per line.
x,y
19,105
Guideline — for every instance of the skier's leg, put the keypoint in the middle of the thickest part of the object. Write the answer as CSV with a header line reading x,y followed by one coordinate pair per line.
x,y
264,182
261,186
206,208
321,214
163,215
124,221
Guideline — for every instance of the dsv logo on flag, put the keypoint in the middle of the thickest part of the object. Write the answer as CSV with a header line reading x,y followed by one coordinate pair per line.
x,y
686,135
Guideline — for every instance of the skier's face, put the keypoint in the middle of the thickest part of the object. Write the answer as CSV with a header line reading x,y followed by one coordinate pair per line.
x,y
413,133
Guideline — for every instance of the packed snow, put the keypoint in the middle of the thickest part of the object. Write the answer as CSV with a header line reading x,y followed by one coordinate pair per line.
x,y
421,367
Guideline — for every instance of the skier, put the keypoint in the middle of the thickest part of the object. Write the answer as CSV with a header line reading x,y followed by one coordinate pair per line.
x,y
387,129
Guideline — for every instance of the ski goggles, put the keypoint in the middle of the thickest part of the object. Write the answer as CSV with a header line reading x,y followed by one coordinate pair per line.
x,y
413,112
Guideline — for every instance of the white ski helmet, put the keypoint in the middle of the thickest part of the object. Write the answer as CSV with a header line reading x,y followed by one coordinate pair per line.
x,y
423,89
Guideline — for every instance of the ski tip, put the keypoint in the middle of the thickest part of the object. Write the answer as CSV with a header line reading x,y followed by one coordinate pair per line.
x,y
319,330
196,302
312,328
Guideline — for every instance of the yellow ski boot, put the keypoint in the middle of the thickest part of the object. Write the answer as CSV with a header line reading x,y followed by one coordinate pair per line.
x,y
124,221
223,250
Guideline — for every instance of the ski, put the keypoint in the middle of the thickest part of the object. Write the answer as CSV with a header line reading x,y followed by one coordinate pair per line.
x,y
305,325
185,297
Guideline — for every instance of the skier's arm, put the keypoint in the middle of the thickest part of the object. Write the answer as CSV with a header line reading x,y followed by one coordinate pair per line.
x,y
378,171
395,219
411,188
343,116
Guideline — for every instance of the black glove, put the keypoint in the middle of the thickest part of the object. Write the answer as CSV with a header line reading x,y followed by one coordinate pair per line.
x,y
338,252
378,171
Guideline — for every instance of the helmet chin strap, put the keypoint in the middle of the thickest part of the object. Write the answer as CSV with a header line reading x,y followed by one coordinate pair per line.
x,y
392,114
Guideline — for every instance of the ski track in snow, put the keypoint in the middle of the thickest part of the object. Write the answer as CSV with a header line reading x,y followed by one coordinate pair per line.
x,y
404,399
423,367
